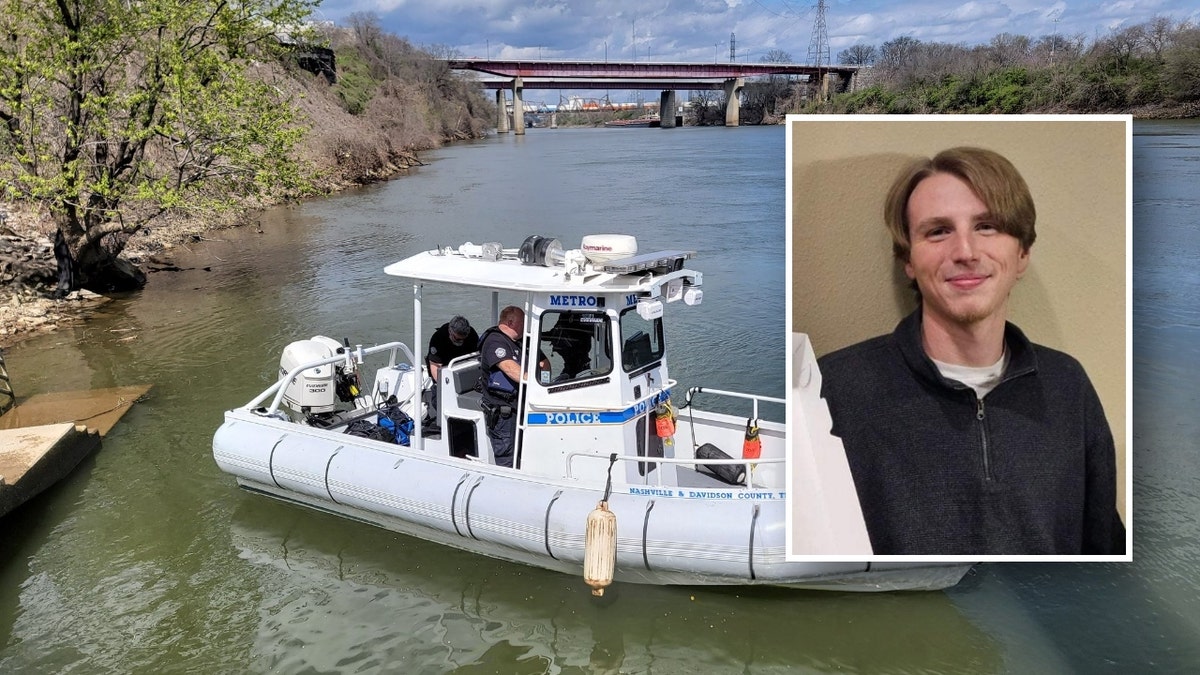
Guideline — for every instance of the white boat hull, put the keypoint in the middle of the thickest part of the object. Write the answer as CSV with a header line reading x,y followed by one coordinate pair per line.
x,y
731,535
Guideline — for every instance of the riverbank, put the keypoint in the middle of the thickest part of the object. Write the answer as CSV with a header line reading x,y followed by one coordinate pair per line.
x,y
29,273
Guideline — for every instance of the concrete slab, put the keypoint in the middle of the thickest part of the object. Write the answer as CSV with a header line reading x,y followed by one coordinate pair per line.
x,y
34,458
98,409
45,437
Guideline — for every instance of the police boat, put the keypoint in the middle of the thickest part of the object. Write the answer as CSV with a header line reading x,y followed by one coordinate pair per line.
x,y
617,474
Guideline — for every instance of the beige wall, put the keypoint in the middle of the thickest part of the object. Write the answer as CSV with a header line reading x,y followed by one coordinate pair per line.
x,y
846,286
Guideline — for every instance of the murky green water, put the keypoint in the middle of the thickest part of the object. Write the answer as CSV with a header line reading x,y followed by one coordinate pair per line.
x,y
148,559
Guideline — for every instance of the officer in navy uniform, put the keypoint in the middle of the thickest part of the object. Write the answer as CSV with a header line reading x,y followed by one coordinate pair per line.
x,y
500,358
451,340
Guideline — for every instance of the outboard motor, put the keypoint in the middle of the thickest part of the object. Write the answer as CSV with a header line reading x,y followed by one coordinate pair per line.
x,y
316,391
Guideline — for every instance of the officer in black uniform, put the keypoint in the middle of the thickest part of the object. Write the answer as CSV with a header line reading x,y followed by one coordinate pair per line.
x,y
451,340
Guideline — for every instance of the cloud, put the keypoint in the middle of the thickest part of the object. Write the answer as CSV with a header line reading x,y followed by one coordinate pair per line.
x,y
976,11
699,30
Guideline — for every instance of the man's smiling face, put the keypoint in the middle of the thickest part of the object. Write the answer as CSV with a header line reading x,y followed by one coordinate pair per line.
x,y
963,264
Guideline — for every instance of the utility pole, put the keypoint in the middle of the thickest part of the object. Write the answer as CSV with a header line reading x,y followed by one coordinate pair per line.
x,y
1054,43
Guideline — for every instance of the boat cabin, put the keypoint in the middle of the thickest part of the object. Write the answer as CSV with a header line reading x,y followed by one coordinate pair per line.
x,y
595,375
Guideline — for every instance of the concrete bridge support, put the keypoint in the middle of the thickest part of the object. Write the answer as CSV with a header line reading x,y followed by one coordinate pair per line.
x,y
518,107
501,112
733,107
666,109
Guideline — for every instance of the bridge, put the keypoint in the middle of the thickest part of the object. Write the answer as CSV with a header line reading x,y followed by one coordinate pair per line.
x,y
666,77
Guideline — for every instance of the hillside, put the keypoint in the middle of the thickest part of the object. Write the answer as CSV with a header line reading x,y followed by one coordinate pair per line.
x,y
390,101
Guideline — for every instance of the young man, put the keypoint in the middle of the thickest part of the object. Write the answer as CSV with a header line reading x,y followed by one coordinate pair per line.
x,y
963,437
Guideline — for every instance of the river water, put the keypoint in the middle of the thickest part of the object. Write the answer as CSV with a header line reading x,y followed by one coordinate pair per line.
x,y
148,559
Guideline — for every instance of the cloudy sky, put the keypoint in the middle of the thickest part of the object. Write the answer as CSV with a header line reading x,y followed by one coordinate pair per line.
x,y
699,30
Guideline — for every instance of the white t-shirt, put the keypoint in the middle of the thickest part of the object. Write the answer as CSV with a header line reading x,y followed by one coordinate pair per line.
x,y
981,379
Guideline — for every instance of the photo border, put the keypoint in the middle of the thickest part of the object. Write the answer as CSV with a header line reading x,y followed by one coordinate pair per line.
x,y
791,122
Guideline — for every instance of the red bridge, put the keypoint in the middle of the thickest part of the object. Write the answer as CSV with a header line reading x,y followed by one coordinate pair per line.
x,y
667,77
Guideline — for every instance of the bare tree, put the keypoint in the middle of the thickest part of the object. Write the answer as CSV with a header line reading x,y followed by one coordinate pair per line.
x,y
858,55
897,53
1157,35
705,107
776,56
1009,50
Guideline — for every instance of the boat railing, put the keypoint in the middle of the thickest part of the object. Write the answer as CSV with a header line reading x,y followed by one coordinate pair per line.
x,y
749,465
358,354
754,398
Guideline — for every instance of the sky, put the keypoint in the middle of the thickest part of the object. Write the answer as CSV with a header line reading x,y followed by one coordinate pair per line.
x,y
701,30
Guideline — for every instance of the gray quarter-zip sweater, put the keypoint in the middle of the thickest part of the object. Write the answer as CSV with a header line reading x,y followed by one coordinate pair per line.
x,y
1029,469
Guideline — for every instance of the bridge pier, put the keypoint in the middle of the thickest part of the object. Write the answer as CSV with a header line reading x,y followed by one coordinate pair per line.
x,y
733,107
518,107
501,112
666,109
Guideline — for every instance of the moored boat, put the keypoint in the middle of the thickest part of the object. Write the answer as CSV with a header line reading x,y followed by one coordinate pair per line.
x,y
697,496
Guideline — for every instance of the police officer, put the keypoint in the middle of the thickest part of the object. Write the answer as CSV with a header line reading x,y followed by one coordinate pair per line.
x,y
451,340
500,358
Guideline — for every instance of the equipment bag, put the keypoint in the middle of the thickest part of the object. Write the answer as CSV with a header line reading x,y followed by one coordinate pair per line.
x,y
733,474
397,422
369,429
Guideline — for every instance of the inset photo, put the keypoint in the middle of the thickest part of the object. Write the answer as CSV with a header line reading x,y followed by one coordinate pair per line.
x,y
960,314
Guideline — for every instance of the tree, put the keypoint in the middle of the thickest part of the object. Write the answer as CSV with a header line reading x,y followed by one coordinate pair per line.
x,y
762,97
1157,35
857,55
115,112
705,108
1183,65
777,56
1009,50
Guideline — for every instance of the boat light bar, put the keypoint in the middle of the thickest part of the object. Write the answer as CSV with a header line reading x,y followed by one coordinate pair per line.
x,y
664,261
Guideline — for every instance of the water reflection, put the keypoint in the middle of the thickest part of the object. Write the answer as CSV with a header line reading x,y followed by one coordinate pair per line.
x,y
349,592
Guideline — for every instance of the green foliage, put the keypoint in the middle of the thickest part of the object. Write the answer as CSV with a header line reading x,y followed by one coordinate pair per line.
x,y
1148,64
355,85
1182,67
115,111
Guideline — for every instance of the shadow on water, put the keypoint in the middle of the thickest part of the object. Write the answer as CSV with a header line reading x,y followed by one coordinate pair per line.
x,y
474,614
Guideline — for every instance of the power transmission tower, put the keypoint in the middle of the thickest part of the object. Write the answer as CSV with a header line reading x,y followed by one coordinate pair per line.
x,y
818,45
732,48
818,49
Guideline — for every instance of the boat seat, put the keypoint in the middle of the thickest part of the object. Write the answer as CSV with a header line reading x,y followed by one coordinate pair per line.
x,y
471,400
465,376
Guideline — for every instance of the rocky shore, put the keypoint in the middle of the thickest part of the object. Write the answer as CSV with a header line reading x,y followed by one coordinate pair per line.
x,y
28,277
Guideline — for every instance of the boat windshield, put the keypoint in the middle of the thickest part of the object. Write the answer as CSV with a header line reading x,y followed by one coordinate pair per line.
x,y
641,341
579,345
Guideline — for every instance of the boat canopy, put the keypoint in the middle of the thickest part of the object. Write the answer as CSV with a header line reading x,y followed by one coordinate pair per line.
x,y
473,265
